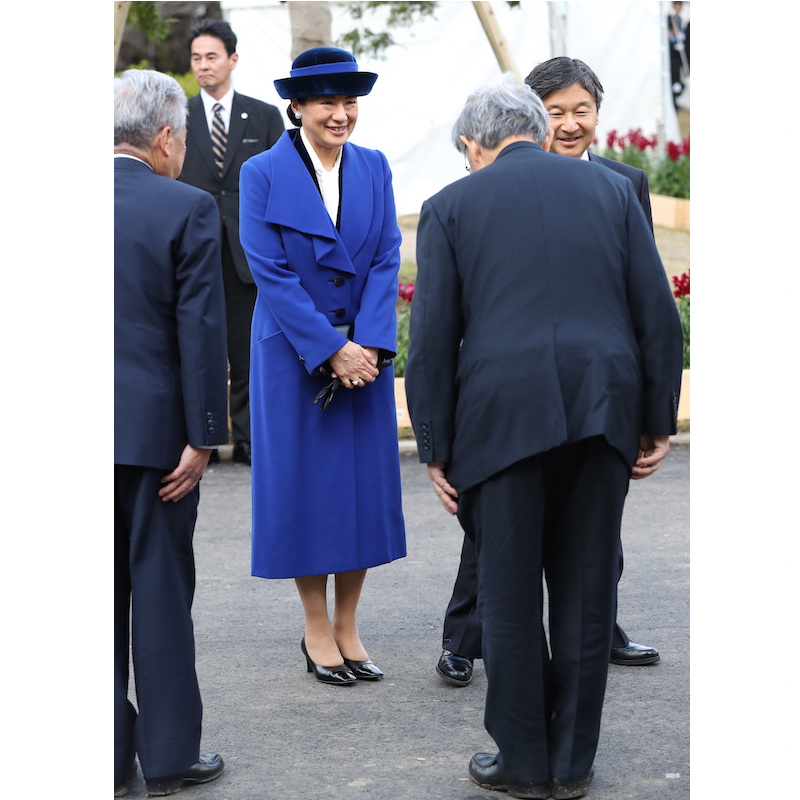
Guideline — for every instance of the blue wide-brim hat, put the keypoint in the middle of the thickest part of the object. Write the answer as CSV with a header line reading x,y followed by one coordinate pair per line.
x,y
325,71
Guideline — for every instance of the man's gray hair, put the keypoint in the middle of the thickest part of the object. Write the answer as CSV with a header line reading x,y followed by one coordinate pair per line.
x,y
144,102
495,112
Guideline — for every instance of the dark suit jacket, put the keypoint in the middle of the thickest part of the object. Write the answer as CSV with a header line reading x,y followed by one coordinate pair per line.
x,y
254,127
170,361
542,315
638,177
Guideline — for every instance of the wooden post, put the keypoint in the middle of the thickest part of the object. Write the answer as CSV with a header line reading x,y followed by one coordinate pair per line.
x,y
120,16
499,44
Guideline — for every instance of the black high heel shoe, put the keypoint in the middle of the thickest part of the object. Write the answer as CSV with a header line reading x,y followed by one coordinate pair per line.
x,y
336,676
365,670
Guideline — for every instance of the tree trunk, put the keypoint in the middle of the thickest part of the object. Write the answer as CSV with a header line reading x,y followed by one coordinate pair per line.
x,y
495,36
311,26
120,15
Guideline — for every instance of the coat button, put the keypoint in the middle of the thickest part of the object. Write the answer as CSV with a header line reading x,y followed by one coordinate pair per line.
x,y
338,281
340,312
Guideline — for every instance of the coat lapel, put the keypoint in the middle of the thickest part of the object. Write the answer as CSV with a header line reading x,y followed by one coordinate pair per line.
x,y
357,200
197,129
236,127
300,207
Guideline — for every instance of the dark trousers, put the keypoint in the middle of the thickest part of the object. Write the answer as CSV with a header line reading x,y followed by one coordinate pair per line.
x,y
240,300
462,629
154,581
555,516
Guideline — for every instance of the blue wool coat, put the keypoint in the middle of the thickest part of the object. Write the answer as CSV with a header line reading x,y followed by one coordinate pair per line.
x,y
326,484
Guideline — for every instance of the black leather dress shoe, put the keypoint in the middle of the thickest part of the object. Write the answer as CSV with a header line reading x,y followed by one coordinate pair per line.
x,y
241,453
364,670
634,655
454,669
567,790
485,771
208,768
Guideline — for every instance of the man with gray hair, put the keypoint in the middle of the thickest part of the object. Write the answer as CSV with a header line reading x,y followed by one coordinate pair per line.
x,y
170,411
543,374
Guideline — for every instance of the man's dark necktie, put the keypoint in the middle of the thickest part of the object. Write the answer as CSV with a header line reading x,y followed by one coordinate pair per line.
x,y
219,138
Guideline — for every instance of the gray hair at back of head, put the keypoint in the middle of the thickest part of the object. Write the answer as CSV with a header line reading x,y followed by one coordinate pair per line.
x,y
145,101
495,112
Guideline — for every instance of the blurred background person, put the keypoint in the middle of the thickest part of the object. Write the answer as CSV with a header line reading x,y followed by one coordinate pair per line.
x,y
678,37
224,129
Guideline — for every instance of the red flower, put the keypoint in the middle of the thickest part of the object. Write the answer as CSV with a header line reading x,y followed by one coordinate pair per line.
x,y
611,138
639,140
674,151
681,283
406,291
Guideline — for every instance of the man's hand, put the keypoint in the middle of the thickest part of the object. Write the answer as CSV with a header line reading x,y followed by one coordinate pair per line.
x,y
652,451
185,476
447,495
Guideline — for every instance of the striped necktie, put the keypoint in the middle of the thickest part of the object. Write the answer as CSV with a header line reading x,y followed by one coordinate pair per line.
x,y
219,138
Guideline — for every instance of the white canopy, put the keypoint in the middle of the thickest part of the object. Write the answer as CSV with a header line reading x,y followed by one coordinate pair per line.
x,y
425,78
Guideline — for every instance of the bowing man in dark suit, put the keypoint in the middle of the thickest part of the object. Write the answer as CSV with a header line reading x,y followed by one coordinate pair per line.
x,y
246,126
544,372
169,411
572,95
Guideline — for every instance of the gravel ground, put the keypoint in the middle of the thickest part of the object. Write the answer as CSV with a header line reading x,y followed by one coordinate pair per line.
x,y
284,735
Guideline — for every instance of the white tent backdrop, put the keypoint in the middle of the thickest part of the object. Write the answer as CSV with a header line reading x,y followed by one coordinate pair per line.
x,y
425,78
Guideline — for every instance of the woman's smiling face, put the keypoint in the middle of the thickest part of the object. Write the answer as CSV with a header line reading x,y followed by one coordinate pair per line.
x,y
328,121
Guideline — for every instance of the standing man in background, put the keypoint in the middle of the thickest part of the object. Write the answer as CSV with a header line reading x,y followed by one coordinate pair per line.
x,y
572,94
226,128
169,412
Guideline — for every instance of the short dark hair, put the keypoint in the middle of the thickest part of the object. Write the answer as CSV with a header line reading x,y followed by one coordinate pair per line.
x,y
560,72
217,28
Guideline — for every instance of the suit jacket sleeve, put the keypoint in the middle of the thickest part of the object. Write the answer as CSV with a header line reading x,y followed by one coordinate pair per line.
x,y
656,324
644,198
200,316
431,372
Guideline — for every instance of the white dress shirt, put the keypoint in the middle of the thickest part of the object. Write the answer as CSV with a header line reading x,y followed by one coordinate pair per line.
x,y
328,179
226,101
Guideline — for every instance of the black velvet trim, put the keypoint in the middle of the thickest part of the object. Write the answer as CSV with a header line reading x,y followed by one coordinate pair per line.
x,y
301,149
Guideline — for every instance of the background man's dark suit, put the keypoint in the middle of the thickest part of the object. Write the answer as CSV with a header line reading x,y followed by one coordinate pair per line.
x,y
527,340
254,127
462,631
169,391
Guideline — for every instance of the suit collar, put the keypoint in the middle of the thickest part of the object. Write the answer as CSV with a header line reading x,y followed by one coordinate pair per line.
x,y
132,164
509,148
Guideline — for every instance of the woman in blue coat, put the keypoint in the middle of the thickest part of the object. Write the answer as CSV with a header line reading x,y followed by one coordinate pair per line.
x,y
319,228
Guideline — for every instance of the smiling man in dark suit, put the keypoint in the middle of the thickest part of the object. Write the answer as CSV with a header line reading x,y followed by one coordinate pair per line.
x,y
543,374
169,412
572,95
215,152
